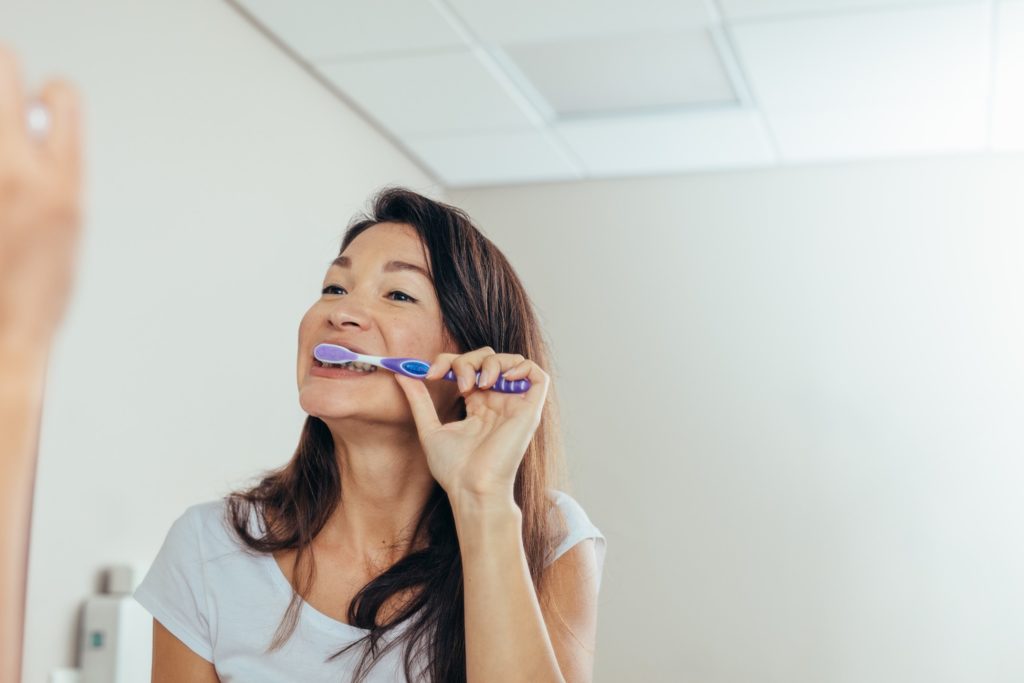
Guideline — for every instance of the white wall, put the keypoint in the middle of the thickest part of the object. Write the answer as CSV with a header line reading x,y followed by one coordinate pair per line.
x,y
220,179
794,406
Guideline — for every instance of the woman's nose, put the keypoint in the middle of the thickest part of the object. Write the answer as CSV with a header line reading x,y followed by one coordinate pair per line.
x,y
347,311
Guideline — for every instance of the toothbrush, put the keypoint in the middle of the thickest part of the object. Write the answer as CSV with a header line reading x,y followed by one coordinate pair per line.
x,y
410,367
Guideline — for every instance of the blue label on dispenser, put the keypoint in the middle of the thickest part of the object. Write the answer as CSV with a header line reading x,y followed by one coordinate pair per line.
x,y
415,367
97,639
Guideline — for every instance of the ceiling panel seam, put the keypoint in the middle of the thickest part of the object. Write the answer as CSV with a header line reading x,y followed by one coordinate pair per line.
x,y
307,67
494,66
744,90
799,15
992,62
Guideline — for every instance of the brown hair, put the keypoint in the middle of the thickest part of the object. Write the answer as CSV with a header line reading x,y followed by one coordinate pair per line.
x,y
483,303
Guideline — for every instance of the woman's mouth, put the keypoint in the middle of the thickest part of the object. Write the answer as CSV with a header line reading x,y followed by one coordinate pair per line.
x,y
348,370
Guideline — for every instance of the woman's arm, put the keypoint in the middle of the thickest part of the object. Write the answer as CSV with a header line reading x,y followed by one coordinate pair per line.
x,y
22,377
506,635
174,662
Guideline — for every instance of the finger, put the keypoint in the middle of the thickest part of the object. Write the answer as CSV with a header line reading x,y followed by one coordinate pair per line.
x,y
465,368
529,370
441,365
421,404
468,366
489,371
12,99
519,370
495,366
537,394
63,144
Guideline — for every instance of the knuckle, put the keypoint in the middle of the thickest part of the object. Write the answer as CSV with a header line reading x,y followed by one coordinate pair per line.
x,y
66,211
10,185
62,91
8,61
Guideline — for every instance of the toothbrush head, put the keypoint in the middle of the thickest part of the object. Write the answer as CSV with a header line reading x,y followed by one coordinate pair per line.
x,y
332,353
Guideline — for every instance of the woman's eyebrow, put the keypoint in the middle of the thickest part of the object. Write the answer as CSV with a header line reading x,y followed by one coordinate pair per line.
x,y
389,267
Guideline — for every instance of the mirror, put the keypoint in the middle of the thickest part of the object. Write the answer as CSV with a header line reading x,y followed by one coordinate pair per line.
x,y
758,260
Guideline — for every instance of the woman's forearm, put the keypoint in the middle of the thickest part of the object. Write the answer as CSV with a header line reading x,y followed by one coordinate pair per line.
x,y
22,380
506,638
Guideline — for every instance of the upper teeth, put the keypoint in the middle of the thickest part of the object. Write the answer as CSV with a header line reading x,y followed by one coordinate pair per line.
x,y
354,365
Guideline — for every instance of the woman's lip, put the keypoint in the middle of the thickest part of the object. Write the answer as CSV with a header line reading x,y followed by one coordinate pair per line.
x,y
337,373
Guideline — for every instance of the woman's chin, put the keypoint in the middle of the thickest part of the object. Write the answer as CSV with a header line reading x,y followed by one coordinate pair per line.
x,y
328,407
328,411
351,408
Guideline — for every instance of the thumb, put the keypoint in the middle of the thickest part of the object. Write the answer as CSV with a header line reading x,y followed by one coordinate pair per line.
x,y
422,405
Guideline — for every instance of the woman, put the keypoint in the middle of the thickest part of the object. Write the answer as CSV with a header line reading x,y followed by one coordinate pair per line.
x,y
413,535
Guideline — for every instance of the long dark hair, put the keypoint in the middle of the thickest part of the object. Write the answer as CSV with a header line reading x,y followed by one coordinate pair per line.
x,y
483,303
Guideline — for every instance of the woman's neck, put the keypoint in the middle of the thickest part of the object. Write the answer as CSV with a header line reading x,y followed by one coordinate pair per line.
x,y
385,482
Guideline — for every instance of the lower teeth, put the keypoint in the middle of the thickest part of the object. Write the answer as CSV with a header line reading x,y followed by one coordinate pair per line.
x,y
348,367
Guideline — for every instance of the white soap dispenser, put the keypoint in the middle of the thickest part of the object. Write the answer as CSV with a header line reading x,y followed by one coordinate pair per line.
x,y
116,639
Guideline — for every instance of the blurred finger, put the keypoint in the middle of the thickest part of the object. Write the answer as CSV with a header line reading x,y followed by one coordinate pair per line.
x,y
12,99
63,143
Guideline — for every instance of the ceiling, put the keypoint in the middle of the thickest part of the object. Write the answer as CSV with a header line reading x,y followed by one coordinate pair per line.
x,y
485,92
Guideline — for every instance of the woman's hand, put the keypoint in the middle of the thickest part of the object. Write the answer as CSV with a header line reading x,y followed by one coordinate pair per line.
x,y
479,456
39,209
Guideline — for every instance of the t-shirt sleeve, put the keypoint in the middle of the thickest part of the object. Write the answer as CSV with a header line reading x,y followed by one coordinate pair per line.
x,y
578,528
174,589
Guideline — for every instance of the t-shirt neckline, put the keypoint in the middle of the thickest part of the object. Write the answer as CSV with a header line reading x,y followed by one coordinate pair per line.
x,y
318,617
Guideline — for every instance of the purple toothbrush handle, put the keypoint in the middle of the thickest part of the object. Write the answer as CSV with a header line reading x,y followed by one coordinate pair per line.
x,y
415,368
505,386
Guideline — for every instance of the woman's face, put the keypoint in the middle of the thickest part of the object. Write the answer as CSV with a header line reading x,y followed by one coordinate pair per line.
x,y
373,304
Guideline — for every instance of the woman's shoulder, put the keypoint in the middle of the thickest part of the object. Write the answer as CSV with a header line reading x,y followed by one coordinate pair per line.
x,y
577,525
211,521
568,506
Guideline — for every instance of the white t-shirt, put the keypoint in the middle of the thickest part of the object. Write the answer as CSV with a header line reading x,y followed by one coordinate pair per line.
x,y
225,604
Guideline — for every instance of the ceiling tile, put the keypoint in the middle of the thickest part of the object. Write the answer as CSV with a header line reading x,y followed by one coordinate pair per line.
x,y
428,94
872,84
1008,97
323,29
666,143
501,22
617,73
756,9
507,157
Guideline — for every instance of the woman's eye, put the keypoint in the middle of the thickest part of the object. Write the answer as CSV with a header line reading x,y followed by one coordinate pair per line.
x,y
326,290
407,297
